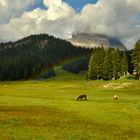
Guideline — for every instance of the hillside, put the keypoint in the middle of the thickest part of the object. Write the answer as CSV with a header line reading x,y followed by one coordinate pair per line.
x,y
35,56
96,40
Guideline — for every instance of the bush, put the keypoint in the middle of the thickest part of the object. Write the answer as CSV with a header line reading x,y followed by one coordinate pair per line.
x,y
130,77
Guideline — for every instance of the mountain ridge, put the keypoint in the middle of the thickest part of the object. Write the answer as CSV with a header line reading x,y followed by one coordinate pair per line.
x,y
92,40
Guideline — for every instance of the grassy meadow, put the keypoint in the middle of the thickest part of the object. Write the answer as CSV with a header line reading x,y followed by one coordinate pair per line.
x,y
48,109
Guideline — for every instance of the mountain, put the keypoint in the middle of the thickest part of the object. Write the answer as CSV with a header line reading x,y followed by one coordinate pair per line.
x,y
35,56
96,40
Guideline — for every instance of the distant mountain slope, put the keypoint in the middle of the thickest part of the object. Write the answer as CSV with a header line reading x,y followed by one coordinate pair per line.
x,y
34,55
95,40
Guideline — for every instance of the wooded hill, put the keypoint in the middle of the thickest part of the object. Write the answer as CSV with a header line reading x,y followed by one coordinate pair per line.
x,y
35,56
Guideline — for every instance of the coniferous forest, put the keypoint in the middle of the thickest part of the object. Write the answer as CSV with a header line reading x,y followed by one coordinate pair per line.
x,y
109,64
35,56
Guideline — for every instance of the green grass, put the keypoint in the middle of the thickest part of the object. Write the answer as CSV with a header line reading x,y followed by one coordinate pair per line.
x,y
48,110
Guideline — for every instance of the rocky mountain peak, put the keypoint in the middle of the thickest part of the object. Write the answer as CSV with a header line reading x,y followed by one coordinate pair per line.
x,y
90,40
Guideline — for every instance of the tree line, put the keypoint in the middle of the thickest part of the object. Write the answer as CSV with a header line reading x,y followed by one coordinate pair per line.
x,y
107,64
77,65
112,63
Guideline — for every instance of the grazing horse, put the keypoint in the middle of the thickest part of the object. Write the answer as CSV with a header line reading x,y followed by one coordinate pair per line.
x,y
82,97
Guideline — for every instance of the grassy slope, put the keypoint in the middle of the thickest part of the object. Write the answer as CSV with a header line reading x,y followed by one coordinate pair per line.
x,y
47,110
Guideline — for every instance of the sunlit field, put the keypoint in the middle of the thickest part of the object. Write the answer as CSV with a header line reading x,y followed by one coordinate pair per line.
x,y
48,109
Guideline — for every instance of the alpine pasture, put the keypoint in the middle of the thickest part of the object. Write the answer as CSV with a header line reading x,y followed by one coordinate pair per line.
x,y
49,110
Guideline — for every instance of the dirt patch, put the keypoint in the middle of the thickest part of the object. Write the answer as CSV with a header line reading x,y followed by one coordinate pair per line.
x,y
117,85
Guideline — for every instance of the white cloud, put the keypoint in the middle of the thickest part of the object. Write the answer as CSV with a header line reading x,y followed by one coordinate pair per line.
x,y
58,9
35,22
13,8
57,20
114,18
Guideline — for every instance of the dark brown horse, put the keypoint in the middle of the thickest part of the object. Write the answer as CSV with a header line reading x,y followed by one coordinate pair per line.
x,y
81,97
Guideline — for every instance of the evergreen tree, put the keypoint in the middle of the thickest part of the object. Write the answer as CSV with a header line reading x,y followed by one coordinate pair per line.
x,y
96,64
136,58
130,63
91,73
116,63
124,64
108,65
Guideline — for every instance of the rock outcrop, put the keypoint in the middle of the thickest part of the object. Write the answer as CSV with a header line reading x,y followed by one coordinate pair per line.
x,y
96,40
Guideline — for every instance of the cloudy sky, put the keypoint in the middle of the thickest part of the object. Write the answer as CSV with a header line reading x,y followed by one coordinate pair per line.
x,y
117,18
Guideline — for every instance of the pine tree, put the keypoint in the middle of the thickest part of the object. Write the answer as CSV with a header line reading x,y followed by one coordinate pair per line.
x,y
124,64
105,70
117,65
108,65
136,58
91,73
96,64
130,63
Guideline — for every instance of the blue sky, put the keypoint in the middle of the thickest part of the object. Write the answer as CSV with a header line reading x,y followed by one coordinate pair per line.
x,y
79,4
39,3
76,4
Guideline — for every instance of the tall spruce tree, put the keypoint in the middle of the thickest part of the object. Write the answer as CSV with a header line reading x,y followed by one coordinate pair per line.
x,y
91,74
130,63
96,64
116,62
124,64
136,58
108,65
